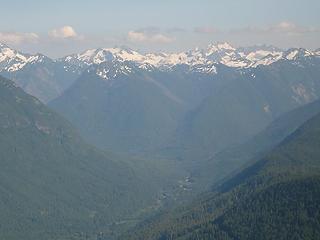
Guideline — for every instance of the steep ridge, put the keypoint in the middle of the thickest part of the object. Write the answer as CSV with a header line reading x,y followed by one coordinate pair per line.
x,y
55,186
238,157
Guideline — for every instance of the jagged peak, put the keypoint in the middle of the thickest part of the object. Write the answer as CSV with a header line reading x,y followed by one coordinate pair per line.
x,y
12,60
296,53
219,46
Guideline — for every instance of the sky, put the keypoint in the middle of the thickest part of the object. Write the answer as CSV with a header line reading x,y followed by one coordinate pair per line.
x,y
61,27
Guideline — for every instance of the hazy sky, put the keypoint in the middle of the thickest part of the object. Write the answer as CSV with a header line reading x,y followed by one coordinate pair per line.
x,y
57,27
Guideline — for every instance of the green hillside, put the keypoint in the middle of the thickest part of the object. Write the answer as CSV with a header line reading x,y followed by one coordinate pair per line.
x,y
55,186
277,197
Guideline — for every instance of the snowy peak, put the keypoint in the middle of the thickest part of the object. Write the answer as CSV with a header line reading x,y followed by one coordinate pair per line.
x,y
219,53
261,54
225,46
7,55
297,53
112,69
12,60
219,47
268,59
230,56
100,55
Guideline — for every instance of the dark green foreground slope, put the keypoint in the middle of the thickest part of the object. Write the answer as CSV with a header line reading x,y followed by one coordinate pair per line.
x,y
278,197
55,186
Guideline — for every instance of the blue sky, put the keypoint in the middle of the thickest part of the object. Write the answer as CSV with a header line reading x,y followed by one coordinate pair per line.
x,y
61,27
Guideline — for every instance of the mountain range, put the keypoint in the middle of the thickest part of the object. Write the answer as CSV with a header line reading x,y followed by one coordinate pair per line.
x,y
185,111
186,107
47,78
94,143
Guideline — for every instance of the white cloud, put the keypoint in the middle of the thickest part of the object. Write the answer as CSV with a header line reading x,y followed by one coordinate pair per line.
x,y
151,37
63,32
15,38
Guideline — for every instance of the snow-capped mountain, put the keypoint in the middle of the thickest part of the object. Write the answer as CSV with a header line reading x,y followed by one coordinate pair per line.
x,y
159,60
297,53
37,74
220,53
12,60
198,59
